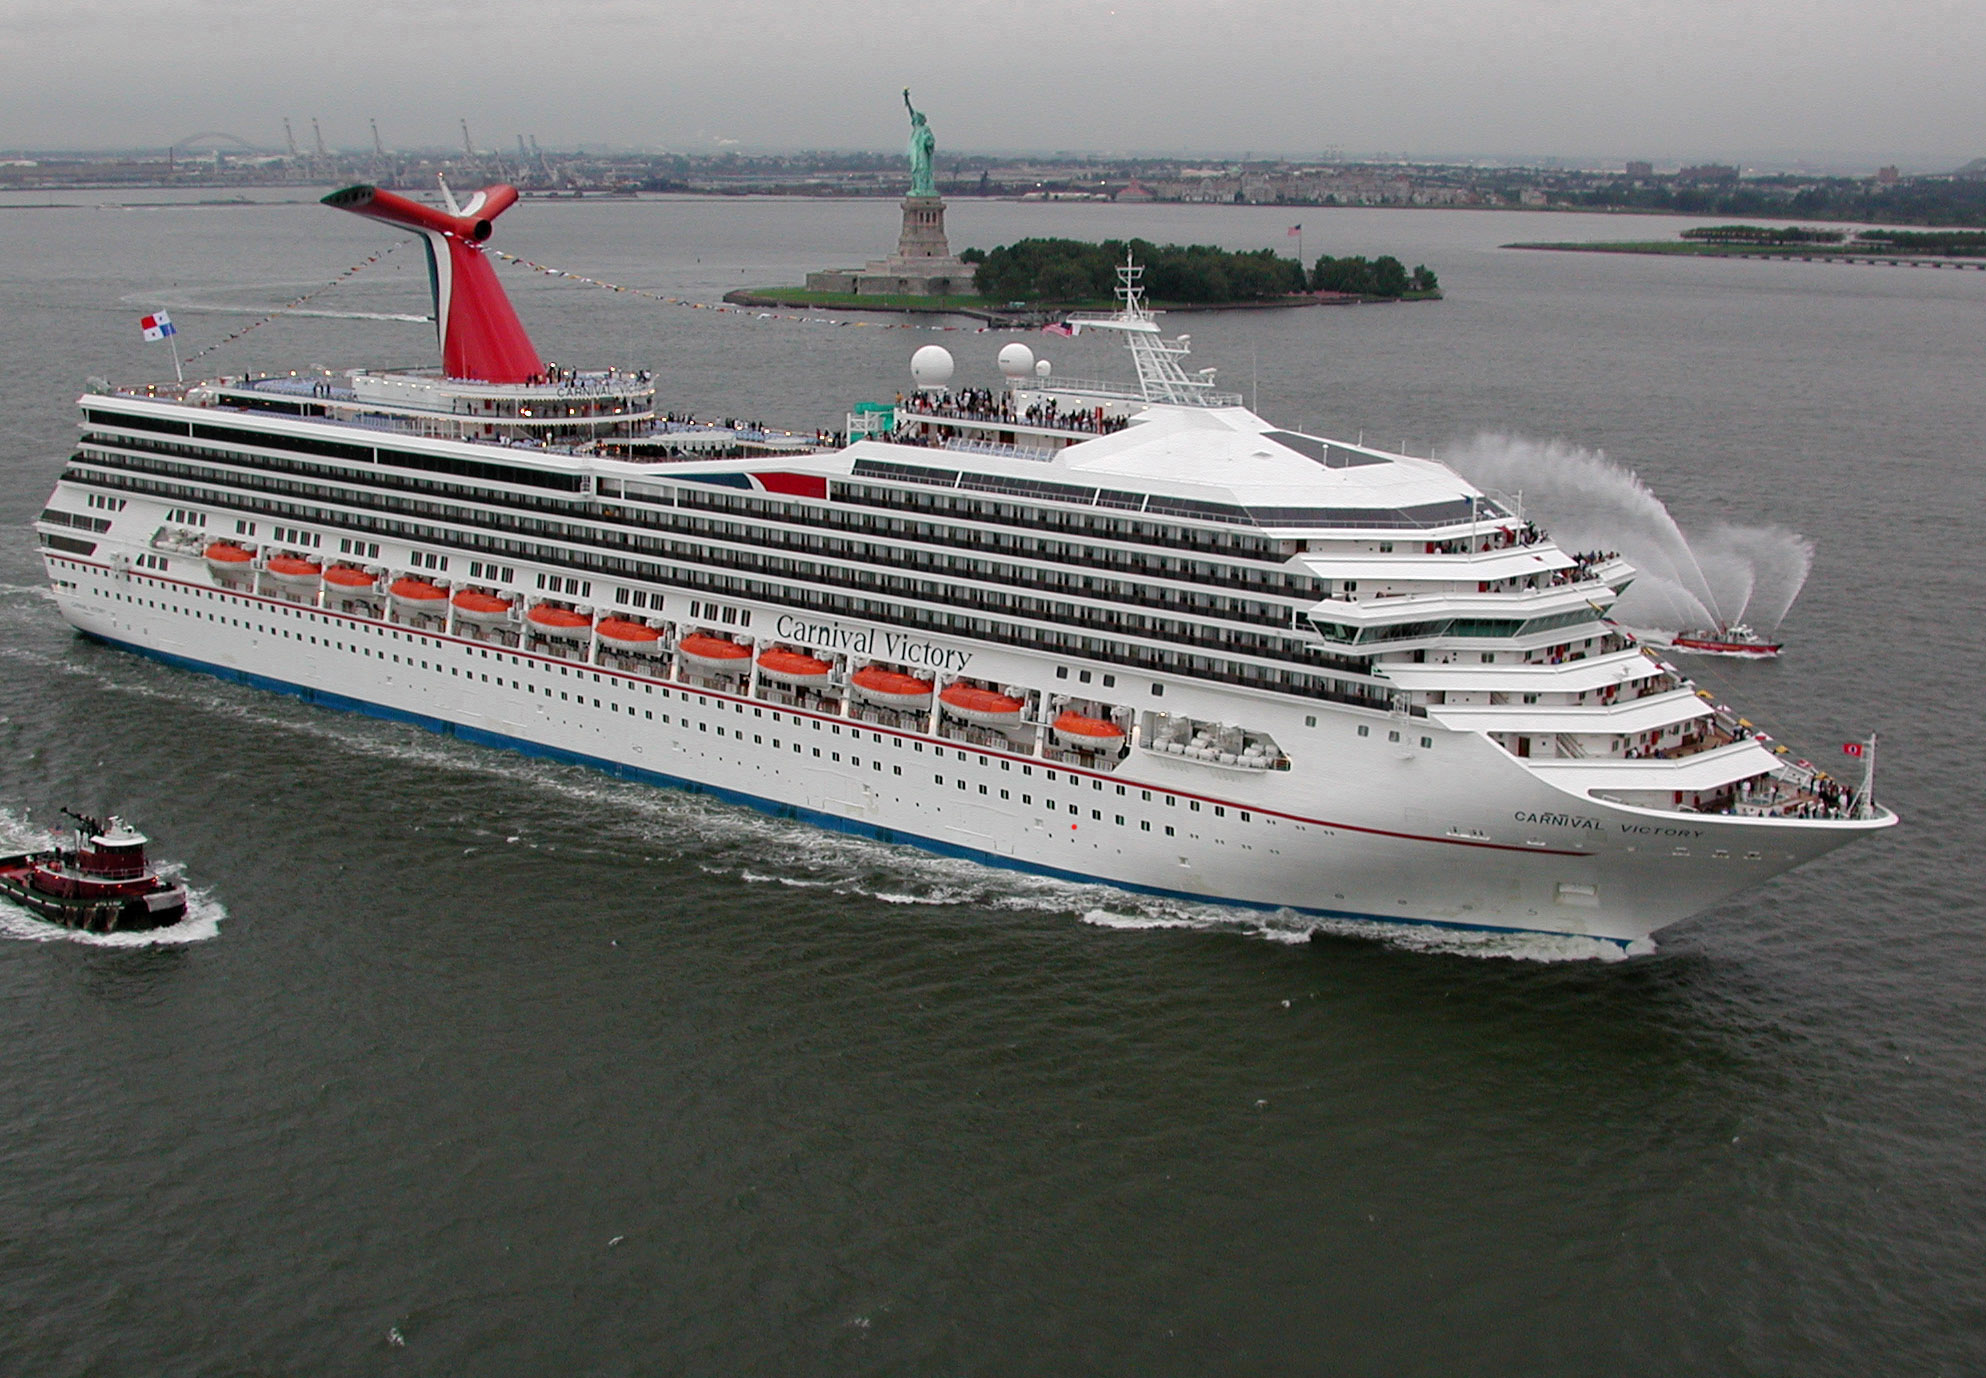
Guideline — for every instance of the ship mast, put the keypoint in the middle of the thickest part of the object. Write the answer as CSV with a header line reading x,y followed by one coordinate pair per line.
x,y
1157,359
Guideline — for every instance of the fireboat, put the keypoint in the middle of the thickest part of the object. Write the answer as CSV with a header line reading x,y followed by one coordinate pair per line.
x,y
103,884
1734,640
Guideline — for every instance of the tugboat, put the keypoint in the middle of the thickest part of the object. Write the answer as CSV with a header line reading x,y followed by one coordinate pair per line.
x,y
103,884
1734,640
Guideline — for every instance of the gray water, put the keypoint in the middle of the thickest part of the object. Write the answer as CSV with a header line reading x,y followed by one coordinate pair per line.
x,y
471,1064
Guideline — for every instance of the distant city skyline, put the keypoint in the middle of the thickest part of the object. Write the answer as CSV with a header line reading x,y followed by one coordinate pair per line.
x,y
1825,84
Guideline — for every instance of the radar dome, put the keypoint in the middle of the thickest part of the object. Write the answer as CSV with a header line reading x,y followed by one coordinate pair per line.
x,y
1042,368
931,366
1016,360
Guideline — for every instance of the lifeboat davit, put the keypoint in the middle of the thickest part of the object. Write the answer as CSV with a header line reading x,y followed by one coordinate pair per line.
x,y
223,558
548,619
986,707
794,667
713,654
891,688
349,581
297,573
1087,734
418,596
619,634
483,609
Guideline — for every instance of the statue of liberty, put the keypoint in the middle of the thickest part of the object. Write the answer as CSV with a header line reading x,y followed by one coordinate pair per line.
x,y
923,143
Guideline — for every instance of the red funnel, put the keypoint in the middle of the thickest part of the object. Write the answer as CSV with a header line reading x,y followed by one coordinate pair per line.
x,y
481,337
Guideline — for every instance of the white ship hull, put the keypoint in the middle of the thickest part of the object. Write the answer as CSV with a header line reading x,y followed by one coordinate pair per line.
x,y
1454,833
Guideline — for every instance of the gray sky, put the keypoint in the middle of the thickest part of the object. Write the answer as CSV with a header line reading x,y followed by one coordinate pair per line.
x,y
1858,79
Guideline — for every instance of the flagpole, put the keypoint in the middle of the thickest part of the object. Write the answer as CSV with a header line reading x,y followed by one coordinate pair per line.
x,y
172,338
1867,796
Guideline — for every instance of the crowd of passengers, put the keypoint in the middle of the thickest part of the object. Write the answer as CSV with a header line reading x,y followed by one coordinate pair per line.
x,y
984,404
1824,798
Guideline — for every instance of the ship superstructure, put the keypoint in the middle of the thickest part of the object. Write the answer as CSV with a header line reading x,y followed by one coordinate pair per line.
x,y
1134,634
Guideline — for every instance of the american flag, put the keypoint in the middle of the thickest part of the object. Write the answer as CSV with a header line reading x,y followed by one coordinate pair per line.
x,y
1293,231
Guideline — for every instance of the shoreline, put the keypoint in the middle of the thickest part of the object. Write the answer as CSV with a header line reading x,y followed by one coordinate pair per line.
x,y
1805,253
798,298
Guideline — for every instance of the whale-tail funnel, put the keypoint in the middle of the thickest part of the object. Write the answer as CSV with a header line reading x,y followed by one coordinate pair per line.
x,y
481,337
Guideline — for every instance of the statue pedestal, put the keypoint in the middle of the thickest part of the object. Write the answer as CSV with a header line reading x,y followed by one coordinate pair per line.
x,y
923,229
922,266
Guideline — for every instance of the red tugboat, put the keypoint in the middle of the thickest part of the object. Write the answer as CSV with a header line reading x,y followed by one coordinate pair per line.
x,y
101,885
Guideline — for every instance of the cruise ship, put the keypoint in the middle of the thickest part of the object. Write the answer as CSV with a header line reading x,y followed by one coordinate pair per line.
x,y
1129,633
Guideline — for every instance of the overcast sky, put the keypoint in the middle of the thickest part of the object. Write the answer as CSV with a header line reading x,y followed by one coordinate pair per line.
x,y
1733,79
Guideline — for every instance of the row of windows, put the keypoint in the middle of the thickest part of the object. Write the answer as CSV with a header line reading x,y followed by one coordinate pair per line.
x,y
792,591
1141,567
1152,658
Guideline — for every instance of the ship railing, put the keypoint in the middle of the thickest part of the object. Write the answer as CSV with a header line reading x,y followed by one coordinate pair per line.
x,y
1089,760
994,447
906,719
952,729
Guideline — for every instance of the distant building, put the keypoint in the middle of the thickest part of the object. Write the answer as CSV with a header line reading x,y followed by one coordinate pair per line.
x,y
1715,174
1888,176
1137,191
1640,171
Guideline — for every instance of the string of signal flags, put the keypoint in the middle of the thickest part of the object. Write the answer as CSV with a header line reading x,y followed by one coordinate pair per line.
x,y
742,312
290,306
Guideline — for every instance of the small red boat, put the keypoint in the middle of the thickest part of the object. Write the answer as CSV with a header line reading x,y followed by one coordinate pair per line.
x,y
1734,640
714,655
229,560
980,706
621,634
483,609
1072,729
103,884
549,619
892,688
346,580
418,596
794,667
295,571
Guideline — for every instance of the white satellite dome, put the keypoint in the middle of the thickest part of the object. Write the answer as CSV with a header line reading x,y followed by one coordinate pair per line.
x,y
1016,360
1042,368
932,366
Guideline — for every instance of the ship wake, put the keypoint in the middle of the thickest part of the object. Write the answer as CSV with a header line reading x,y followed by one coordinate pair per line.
x,y
1725,575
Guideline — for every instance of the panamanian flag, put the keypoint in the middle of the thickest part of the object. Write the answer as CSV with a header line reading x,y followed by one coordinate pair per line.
x,y
156,327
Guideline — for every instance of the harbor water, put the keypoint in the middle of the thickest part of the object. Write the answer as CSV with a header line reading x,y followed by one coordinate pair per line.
x,y
468,1063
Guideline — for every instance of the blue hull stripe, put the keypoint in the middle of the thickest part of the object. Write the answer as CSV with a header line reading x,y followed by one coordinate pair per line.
x,y
483,737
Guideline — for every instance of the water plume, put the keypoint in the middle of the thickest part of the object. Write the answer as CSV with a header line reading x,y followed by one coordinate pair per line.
x,y
1589,502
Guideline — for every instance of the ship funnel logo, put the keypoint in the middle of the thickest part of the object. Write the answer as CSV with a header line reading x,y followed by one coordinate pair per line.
x,y
481,337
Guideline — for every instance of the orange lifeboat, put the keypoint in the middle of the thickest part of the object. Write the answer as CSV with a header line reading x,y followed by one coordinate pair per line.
x,y
417,596
294,571
891,688
794,667
483,609
1087,734
224,558
347,580
548,619
713,654
618,633
986,707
